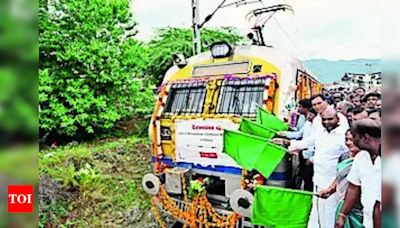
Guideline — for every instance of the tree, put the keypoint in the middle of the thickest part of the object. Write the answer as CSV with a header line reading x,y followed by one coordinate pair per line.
x,y
87,62
170,41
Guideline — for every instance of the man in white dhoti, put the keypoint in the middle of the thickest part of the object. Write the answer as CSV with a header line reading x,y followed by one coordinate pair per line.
x,y
329,143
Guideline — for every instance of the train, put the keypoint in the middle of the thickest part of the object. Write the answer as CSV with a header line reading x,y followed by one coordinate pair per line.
x,y
199,98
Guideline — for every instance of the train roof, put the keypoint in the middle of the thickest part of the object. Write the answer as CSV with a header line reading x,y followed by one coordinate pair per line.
x,y
279,58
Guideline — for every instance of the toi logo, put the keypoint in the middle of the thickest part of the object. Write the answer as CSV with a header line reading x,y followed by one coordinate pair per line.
x,y
20,198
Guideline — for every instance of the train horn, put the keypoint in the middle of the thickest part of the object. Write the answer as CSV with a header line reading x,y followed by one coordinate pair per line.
x,y
241,202
151,184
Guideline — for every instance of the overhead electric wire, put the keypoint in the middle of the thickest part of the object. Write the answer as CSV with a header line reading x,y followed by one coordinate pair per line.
x,y
221,5
285,32
297,50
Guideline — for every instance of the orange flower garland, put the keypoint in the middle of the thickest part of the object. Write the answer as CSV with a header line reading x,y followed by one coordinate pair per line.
x,y
200,214
243,184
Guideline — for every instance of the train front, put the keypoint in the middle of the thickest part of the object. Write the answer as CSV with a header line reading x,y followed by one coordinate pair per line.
x,y
193,180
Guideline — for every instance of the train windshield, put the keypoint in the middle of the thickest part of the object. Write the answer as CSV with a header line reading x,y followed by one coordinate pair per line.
x,y
186,98
241,97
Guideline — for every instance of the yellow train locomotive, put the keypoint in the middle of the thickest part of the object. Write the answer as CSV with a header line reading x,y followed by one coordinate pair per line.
x,y
199,97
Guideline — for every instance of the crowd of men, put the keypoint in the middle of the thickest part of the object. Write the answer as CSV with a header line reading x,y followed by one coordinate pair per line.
x,y
338,141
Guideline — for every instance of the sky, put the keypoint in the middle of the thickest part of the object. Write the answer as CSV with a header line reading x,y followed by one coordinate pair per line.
x,y
333,30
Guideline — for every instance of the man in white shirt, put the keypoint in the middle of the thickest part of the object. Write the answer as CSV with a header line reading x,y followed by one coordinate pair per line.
x,y
307,155
365,174
329,143
319,104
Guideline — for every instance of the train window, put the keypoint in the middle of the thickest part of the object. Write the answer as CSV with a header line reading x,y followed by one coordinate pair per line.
x,y
241,97
186,98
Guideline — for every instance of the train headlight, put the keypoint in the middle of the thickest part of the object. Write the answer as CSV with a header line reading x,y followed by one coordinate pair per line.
x,y
179,60
221,50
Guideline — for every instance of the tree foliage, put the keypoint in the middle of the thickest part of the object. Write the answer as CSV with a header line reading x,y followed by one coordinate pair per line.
x,y
169,41
90,64
87,63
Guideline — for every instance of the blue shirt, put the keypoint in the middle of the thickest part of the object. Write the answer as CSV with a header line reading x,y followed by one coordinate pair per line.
x,y
304,132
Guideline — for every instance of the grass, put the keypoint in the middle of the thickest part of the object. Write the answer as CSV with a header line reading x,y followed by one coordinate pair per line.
x,y
105,174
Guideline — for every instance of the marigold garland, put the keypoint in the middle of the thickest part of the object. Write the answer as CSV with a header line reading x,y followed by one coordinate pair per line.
x,y
243,183
185,195
200,214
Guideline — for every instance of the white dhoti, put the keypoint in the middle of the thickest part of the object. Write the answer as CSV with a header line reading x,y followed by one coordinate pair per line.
x,y
323,211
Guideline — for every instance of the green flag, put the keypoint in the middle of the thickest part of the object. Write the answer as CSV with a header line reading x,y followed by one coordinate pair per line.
x,y
268,120
281,207
249,127
253,152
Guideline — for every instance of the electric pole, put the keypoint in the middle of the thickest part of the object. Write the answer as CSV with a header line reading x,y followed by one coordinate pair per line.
x,y
196,27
